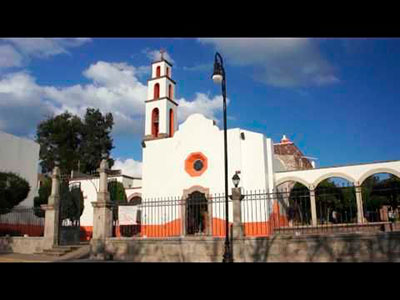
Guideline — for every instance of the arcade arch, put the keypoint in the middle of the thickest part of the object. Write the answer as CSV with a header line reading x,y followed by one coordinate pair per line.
x,y
381,197
335,199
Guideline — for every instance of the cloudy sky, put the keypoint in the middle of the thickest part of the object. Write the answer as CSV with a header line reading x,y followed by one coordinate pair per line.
x,y
337,99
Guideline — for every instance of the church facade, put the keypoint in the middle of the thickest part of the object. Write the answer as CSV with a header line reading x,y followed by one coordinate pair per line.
x,y
186,160
180,158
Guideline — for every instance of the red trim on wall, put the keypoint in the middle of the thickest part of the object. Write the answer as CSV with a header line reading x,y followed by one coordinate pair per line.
x,y
21,229
156,91
189,168
86,233
155,115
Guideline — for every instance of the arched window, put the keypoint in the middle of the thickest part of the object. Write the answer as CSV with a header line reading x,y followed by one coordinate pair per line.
x,y
171,122
168,72
170,91
158,71
154,122
156,91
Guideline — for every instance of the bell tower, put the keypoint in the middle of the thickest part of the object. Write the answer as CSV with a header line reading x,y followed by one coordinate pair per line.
x,y
161,108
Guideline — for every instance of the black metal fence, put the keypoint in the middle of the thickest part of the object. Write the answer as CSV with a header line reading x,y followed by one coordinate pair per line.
x,y
262,213
21,221
196,215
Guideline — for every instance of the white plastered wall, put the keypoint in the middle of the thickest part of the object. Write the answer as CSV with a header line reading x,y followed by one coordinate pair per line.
x,y
20,156
163,69
164,172
163,106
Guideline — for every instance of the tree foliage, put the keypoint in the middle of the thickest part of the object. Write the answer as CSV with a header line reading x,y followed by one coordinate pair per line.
x,y
378,192
117,195
13,190
75,143
72,202
95,139
44,194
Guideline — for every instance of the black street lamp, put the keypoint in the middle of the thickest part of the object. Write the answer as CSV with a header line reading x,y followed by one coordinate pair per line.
x,y
219,77
236,180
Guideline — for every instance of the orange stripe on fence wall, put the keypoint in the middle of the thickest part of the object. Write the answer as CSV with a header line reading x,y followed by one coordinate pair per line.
x,y
173,228
21,229
86,233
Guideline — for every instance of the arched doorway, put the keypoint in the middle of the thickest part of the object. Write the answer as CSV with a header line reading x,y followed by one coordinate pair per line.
x,y
381,197
294,198
336,201
196,214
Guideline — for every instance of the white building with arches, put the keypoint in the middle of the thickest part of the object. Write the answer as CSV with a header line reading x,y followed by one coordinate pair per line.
x,y
181,160
185,159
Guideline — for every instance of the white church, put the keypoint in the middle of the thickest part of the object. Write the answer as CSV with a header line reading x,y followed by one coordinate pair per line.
x,y
179,160
187,158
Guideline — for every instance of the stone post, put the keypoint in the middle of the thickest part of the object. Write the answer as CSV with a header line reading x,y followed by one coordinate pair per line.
x,y
237,227
52,211
313,207
360,208
102,215
237,230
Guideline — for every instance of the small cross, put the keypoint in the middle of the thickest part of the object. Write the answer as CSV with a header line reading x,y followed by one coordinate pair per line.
x,y
162,51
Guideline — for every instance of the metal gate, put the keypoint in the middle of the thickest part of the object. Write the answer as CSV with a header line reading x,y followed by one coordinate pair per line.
x,y
70,211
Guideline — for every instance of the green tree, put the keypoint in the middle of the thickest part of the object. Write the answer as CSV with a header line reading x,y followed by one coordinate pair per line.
x,y
96,140
72,202
13,190
378,192
77,144
44,194
299,201
59,139
117,195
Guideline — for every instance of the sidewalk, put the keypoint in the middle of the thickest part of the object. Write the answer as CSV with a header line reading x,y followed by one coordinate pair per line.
x,y
16,257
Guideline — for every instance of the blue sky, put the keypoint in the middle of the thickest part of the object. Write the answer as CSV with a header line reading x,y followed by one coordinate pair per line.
x,y
337,99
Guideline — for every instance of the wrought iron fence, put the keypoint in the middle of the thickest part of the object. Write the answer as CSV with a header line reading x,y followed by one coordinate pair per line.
x,y
22,221
262,213
197,215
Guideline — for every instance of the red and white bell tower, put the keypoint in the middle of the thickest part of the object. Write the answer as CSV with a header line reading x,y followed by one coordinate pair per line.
x,y
161,108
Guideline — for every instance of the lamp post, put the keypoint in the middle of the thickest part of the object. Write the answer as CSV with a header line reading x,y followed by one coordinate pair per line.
x,y
219,77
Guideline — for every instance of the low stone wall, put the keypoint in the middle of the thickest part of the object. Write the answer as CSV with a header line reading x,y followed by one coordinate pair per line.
x,y
201,249
323,248
318,248
23,245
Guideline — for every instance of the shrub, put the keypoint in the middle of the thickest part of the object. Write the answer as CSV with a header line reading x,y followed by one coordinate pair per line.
x,y
13,190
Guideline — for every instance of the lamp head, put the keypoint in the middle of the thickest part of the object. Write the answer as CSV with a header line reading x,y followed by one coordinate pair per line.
x,y
218,73
236,180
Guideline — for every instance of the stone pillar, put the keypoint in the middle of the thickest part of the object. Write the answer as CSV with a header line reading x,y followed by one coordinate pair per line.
x,y
52,211
237,230
313,207
360,207
102,216
237,227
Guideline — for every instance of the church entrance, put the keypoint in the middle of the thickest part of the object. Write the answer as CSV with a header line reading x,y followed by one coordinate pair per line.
x,y
196,214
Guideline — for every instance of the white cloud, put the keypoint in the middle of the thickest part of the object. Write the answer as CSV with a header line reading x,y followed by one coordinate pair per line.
x,y
155,55
202,104
282,62
44,47
129,167
9,57
114,88
22,103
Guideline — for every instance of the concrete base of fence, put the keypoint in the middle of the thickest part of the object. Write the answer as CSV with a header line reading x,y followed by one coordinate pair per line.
x,y
319,248
23,245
